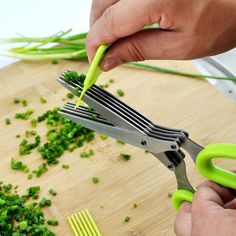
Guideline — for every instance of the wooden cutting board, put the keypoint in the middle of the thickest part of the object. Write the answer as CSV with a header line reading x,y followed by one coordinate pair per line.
x,y
177,102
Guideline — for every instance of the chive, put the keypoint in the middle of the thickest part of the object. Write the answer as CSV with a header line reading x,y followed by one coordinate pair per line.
x,y
43,100
16,100
45,202
29,133
52,192
91,152
120,93
18,165
169,195
7,121
95,180
135,205
120,142
33,123
25,115
55,62
41,170
24,103
64,166
53,222
23,225
18,136
70,95
103,136
127,219
30,176
125,156
111,81
25,147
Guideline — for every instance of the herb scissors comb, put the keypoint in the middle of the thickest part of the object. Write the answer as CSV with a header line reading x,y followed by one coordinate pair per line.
x,y
108,115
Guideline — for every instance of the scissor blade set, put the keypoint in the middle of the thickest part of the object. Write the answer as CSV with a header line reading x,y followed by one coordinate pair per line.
x,y
113,117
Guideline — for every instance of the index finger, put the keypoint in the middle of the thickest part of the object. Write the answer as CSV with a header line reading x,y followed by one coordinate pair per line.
x,y
98,7
119,21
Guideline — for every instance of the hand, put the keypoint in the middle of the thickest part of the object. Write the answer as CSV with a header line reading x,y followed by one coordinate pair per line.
x,y
212,213
188,29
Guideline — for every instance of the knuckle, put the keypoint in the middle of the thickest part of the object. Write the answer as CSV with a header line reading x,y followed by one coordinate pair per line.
x,y
135,52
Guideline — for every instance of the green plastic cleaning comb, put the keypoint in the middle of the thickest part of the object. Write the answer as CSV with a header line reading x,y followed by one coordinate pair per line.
x,y
94,71
83,224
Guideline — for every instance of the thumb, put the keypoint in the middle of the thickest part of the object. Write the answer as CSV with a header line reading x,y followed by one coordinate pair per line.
x,y
183,220
147,45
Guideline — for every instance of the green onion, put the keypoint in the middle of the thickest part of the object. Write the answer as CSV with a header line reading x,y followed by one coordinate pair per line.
x,y
125,156
25,115
53,222
127,219
18,165
52,192
70,95
7,121
95,180
43,100
120,93
64,166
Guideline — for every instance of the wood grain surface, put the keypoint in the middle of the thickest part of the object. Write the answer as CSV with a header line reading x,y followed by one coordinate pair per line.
x,y
177,102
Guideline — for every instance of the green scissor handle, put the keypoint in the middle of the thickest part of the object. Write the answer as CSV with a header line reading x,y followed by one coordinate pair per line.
x,y
210,171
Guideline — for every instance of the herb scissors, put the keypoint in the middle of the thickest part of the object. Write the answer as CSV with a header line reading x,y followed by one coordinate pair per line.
x,y
108,115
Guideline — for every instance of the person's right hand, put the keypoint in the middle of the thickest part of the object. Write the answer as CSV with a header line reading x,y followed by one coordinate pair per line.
x,y
212,212
188,29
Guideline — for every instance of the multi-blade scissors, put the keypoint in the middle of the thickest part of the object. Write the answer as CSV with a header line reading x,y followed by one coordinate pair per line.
x,y
108,115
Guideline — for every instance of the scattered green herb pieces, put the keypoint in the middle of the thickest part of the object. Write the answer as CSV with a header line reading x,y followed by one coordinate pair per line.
x,y
64,166
52,192
7,121
120,93
146,151
120,142
18,136
24,103
23,225
43,100
33,191
111,81
29,133
20,217
26,147
34,123
103,136
95,180
53,222
87,154
71,76
25,115
45,202
62,134
169,195
127,219
135,205
104,85
41,170
18,165
125,156
70,95
16,100
55,62
30,176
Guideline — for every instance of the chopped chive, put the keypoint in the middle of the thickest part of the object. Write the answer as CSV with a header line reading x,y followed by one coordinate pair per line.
x,y
125,156
95,180
135,205
7,121
55,62
64,166
25,115
24,103
127,219
43,100
45,202
18,136
18,165
53,222
70,95
120,142
103,136
111,81
120,93
52,192
33,123
30,176
16,100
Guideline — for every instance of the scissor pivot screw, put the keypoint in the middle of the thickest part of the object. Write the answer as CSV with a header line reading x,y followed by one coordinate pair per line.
x,y
143,142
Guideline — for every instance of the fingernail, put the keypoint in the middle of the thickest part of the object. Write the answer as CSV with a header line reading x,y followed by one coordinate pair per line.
x,y
110,63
